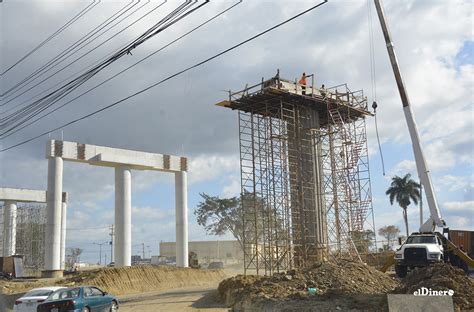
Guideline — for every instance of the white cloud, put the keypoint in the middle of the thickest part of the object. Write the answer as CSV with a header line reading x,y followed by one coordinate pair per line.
x,y
457,206
402,168
208,167
150,214
232,189
453,183
458,223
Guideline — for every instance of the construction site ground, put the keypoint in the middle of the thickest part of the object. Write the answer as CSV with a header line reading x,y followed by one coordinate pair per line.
x,y
128,283
346,286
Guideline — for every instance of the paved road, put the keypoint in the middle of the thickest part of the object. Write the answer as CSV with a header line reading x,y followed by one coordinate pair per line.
x,y
181,300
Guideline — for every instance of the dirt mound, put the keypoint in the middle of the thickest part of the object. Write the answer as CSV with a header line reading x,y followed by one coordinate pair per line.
x,y
441,277
328,278
136,279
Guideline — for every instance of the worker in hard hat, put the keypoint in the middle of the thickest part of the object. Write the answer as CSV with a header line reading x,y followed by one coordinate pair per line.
x,y
302,82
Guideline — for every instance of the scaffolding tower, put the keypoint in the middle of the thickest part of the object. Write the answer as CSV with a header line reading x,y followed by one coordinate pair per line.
x,y
30,234
305,184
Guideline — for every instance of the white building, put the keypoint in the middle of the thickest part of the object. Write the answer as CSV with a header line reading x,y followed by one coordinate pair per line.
x,y
228,251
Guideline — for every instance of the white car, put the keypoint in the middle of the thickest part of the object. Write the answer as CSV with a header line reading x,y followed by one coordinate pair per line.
x,y
33,298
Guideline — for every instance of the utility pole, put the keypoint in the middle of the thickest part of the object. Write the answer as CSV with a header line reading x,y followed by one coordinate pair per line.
x,y
143,251
100,251
111,243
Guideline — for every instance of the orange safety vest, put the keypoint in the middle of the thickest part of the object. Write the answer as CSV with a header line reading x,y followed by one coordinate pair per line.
x,y
302,81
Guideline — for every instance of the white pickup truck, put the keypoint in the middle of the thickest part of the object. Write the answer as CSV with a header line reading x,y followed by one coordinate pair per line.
x,y
420,249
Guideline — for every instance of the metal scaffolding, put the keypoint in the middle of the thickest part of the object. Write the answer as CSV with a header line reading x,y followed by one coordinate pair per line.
x,y
305,185
30,233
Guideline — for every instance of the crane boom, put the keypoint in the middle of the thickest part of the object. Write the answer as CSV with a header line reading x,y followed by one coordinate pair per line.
x,y
423,172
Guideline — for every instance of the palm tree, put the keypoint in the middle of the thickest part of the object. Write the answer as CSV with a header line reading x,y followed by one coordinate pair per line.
x,y
404,191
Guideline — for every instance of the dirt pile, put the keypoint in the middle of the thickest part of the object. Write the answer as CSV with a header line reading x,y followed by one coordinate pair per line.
x,y
328,279
136,279
441,277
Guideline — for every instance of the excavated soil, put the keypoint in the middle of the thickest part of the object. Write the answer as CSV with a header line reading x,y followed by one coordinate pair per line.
x,y
138,279
441,277
343,286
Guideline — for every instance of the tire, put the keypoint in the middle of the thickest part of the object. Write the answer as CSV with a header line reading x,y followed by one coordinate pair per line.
x,y
113,306
401,270
86,309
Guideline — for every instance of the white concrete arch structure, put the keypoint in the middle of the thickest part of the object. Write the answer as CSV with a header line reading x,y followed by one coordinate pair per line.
x,y
10,198
123,161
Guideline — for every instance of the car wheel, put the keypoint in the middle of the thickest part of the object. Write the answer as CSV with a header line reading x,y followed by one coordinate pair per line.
x,y
114,306
86,309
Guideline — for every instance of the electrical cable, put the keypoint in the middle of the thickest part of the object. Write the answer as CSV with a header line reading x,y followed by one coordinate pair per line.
x,y
70,48
167,78
93,49
57,32
122,71
170,19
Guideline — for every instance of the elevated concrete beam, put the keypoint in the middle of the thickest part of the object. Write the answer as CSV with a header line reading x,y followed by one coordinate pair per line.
x,y
113,157
25,195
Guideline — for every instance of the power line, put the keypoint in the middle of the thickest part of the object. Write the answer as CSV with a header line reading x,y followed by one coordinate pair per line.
x,y
87,53
167,78
25,114
40,106
76,51
57,32
2,136
71,47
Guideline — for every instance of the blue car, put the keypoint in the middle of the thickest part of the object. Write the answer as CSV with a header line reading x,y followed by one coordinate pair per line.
x,y
79,299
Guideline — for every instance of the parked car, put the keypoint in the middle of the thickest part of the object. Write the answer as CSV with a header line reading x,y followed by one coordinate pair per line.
x,y
79,299
216,265
29,301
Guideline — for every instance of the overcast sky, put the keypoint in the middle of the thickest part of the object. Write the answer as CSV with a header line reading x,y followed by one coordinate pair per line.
x,y
433,40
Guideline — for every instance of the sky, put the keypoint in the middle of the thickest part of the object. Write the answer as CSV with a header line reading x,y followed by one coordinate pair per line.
x,y
433,41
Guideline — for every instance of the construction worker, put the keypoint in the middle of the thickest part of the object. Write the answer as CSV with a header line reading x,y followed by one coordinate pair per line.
x,y
323,90
302,82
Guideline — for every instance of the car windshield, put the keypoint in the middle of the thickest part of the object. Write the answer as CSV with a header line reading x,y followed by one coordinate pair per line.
x,y
421,240
38,293
69,293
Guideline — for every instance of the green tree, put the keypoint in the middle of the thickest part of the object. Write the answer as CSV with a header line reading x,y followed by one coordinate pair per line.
x,y
404,191
389,232
221,215
363,240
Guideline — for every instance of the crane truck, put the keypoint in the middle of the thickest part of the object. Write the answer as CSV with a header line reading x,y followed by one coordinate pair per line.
x,y
426,246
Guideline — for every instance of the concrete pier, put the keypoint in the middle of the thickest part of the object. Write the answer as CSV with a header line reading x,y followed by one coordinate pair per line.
x,y
9,228
63,234
52,255
123,217
181,187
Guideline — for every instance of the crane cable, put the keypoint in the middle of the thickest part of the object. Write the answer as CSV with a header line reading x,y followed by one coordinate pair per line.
x,y
373,78
167,78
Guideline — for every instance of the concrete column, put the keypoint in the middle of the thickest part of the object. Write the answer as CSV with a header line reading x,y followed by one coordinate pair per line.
x,y
9,228
123,217
52,254
181,189
63,235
